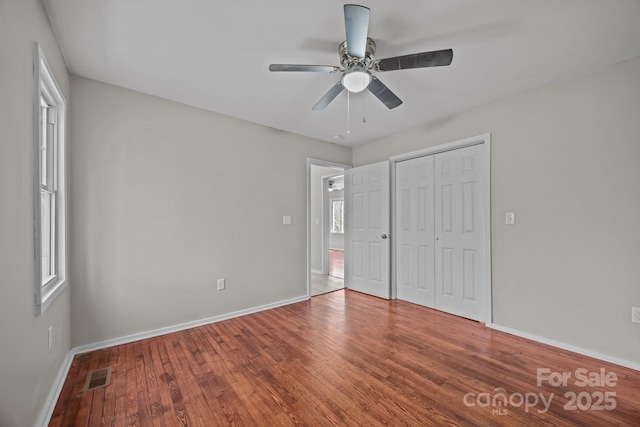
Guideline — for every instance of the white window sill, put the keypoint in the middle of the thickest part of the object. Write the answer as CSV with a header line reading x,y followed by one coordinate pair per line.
x,y
50,295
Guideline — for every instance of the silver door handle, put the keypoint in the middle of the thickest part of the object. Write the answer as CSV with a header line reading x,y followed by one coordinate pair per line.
x,y
384,236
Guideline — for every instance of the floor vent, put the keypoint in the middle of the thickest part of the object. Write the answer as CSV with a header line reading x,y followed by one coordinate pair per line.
x,y
97,379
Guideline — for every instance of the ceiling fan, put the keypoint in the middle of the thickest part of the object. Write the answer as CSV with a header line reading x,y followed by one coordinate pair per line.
x,y
356,59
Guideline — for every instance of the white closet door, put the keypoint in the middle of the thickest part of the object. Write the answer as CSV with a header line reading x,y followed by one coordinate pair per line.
x,y
459,233
415,276
367,208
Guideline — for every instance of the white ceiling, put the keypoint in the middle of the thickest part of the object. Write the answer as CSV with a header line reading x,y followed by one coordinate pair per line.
x,y
215,54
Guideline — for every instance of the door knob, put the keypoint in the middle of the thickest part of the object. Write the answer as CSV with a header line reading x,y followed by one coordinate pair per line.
x,y
384,236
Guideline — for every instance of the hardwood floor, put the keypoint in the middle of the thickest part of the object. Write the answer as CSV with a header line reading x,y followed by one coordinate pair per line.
x,y
336,263
344,358
322,283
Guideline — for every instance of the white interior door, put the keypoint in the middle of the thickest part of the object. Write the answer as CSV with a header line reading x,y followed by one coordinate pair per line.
x,y
459,254
440,231
367,241
415,238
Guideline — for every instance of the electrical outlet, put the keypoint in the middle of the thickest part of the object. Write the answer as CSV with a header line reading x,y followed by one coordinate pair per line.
x,y
635,314
220,284
50,338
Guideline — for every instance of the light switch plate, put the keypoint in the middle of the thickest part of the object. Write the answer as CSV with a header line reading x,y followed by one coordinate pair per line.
x,y
510,218
286,219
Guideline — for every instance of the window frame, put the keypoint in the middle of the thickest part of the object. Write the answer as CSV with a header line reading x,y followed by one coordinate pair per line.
x,y
331,202
49,119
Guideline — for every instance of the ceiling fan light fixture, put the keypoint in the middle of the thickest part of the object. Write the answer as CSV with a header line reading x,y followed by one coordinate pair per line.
x,y
356,81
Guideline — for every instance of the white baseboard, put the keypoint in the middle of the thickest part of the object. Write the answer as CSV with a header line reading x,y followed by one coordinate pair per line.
x,y
54,393
575,349
181,327
56,389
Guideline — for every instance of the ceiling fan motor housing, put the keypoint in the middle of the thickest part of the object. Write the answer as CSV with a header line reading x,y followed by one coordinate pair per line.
x,y
356,76
347,60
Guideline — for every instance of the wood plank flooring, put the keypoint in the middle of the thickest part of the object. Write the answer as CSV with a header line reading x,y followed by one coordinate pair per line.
x,y
336,263
322,283
345,359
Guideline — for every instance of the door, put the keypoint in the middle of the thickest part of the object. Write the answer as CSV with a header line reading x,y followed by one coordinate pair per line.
x,y
459,257
415,239
367,240
440,231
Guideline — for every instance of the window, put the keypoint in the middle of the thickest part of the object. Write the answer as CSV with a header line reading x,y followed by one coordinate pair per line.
x,y
49,185
337,215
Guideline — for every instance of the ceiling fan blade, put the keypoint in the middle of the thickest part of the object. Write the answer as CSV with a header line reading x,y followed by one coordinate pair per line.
x,y
329,96
295,67
383,93
435,58
356,21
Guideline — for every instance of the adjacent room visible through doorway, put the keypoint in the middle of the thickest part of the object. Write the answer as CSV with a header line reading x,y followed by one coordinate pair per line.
x,y
326,232
336,263
323,283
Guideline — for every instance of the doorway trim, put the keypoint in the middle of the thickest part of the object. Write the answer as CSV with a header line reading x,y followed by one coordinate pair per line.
x,y
485,141
317,162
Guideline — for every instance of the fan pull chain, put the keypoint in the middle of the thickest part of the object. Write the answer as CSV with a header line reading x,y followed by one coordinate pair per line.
x,y
364,115
348,114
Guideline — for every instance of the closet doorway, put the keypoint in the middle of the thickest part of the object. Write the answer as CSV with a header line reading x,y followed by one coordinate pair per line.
x,y
442,229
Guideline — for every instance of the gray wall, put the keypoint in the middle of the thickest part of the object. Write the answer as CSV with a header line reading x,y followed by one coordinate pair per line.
x,y
169,198
27,369
566,159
